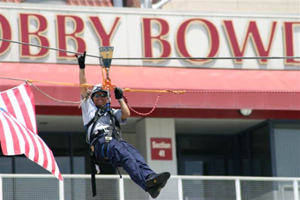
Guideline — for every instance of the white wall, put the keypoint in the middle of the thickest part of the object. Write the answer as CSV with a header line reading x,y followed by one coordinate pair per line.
x,y
256,6
148,128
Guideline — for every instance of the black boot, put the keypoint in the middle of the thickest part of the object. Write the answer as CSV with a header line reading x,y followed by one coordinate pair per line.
x,y
154,191
157,179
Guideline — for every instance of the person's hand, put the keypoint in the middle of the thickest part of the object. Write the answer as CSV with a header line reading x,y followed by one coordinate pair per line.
x,y
81,60
118,93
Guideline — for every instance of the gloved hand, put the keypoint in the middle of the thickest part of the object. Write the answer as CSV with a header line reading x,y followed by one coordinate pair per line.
x,y
81,60
118,93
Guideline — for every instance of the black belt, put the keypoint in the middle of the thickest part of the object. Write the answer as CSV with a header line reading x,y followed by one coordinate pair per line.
x,y
96,135
95,138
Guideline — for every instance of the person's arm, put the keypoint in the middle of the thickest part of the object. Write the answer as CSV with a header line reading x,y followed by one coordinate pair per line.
x,y
124,108
82,78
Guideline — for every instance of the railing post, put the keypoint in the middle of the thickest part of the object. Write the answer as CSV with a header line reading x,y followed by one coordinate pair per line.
x,y
238,189
61,190
296,190
180,189
121,188
1,189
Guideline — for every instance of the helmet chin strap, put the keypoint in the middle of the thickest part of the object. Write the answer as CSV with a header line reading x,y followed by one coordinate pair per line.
x,y
105,108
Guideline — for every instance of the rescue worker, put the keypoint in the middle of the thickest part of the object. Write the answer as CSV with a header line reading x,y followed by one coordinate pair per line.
x,y
103,135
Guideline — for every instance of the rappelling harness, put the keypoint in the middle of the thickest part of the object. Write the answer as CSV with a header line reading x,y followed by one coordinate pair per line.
x,y
109,133
114,129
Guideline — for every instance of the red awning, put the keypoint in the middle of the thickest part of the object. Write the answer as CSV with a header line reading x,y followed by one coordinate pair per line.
x,y
206,88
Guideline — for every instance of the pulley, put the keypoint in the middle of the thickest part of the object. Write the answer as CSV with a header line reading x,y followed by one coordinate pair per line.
x,y
106,54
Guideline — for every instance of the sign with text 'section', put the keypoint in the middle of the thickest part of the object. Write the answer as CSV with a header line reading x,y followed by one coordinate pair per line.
x,y
161,149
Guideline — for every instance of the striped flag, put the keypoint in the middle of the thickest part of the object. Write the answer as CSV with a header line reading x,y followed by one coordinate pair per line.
x,y
18,129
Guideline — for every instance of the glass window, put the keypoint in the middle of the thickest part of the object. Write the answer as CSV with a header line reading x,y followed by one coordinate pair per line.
x,y
6,164
25,166
205,155
80,151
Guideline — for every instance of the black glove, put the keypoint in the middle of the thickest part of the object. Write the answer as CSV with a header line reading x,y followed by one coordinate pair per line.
x,y
118,93
81,60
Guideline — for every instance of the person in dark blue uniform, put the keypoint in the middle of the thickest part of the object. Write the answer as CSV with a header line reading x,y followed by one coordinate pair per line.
x,y
104,135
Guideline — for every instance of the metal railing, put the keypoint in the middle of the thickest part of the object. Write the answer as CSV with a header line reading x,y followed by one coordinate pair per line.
x,y
25,186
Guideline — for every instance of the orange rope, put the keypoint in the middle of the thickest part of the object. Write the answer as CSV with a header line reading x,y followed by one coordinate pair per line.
x,y
106,82
158,91
48,82
60,83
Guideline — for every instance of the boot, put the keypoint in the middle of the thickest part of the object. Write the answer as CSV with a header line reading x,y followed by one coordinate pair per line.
x,y
157,179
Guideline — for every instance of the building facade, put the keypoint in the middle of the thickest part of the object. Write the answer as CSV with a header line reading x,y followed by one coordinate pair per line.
x,y
212,115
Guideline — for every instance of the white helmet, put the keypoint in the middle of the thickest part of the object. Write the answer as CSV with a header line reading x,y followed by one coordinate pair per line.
x,y
98,88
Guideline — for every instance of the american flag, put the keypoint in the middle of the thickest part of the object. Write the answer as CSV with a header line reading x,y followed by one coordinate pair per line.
x,y
18,129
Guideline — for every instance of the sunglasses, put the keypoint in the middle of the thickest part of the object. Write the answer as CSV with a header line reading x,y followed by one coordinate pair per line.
x,y
100,95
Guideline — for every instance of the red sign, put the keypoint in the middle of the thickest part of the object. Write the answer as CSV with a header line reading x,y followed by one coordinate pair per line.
x,y
161,149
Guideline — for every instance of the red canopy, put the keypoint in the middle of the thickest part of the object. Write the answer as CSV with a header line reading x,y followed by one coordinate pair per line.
x,y
206,88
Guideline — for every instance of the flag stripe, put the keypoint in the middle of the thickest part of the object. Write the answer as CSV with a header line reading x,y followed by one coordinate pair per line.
x,y
32,147
38,144
29,102
8,148
45,163
23,109
14,133
16,106
8,104
18,129
2,104
2,136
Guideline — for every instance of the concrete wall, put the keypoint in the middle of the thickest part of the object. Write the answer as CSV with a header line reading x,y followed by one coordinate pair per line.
x,y
148,128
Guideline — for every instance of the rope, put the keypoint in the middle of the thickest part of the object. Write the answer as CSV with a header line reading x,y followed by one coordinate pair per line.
x,y
144,114
55,83
107,82
160,58
48,82
177,92
54,99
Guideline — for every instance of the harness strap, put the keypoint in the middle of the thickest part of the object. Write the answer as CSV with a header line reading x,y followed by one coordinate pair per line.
x,y
105,147
116,126
93,121
105,153
93,174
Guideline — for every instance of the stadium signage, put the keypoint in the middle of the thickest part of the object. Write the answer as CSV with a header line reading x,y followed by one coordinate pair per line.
x,y
161,149
150,37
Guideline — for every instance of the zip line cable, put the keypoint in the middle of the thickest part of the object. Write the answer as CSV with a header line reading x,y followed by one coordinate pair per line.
x,y
51,48
159,58
107,81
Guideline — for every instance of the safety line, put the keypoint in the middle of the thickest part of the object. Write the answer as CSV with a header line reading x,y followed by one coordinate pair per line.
x,y
160,58
147,113
48,82
54,99
177,92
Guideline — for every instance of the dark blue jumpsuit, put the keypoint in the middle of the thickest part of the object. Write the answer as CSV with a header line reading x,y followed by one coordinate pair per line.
x,y
122,154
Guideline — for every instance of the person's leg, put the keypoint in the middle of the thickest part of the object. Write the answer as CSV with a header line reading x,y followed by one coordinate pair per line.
x,y
119,156
139,159
154,182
